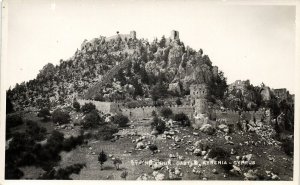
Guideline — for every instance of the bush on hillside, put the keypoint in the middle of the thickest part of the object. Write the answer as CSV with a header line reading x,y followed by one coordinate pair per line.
x,y
166,112
61,117
92,120
44,113
159,125
88,107
120,120
76,106
13,120
183,119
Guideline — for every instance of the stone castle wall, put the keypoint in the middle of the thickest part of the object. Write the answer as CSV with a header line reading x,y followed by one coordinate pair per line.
x,y
107,78
140,113
105,107
233,116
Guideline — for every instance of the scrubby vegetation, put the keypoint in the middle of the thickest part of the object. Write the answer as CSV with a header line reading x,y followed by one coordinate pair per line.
x,y
183,119
166,112
60,116
92,120
120,120
158,124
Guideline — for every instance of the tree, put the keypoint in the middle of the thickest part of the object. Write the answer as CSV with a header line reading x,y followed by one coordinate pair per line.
x,y
44,113
120,120
178,101
13,120
9,105
76,106
159,125
162,42
182,119
63,173
124,174
91,119
166,112
117,163
153,148
102,158
35,132
60,116
218,86
88,107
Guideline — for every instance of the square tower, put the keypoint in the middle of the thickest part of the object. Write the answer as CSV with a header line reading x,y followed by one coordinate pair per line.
x,y
174,35
133,34
198,91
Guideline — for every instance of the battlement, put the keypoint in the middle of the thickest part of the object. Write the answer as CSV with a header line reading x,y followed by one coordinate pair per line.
x,y
198,90
131,35
174,35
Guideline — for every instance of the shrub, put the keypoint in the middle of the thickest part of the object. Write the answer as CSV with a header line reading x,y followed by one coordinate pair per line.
x,y
159,125
35,132
60,116
62,173
106,132
72,142
124,174
99,97
13,172
44,113
9,105
117,163
88,107
288,147
178,101
13,120
102,158
218,153
76,106
221,155
166,112
91,120
153,147
182,119
154,114
120,120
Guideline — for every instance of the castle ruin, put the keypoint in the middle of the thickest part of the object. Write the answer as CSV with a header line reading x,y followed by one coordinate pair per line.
x,y
199,94
174,35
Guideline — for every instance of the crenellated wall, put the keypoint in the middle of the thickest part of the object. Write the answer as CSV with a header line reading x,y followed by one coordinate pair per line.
x,y
140,113
105,107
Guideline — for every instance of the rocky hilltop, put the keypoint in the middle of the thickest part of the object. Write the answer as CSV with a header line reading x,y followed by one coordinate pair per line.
x,y
119,68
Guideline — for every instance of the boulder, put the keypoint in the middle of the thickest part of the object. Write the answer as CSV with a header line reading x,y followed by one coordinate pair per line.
x,y
177,139
159,176
144,177
197,152
206,128
154,132
157,166
251,175
140,145
214,171
224,128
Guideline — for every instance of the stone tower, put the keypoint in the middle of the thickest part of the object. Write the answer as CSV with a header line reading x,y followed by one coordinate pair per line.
x,y
133,34
174,35
198,94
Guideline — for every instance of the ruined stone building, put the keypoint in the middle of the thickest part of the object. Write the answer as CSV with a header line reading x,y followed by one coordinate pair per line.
x,y
281,93
198,93
239,85
131,35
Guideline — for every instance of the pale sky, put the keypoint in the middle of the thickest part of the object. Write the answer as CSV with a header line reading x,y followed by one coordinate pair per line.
x,y
245,42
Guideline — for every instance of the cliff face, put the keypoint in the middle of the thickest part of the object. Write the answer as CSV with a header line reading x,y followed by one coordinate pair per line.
x,y
166,61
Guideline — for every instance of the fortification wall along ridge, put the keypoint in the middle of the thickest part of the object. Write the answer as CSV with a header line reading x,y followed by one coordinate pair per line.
x,y
140,113
105,107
